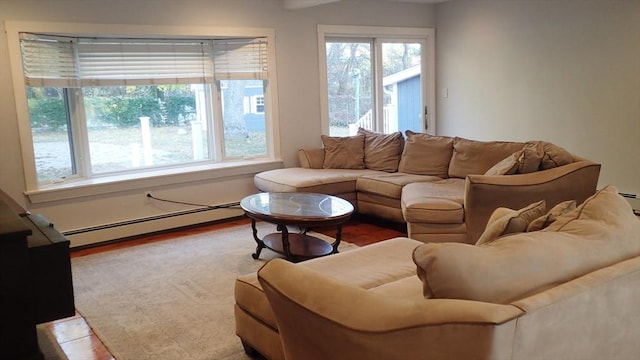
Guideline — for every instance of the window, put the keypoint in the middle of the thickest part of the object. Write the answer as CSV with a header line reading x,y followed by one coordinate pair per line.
x,y
380,79
101,106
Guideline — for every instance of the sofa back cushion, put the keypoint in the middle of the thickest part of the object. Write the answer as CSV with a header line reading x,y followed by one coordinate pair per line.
x,y
382,151
553,155
471,157
426,154
600,232
343,152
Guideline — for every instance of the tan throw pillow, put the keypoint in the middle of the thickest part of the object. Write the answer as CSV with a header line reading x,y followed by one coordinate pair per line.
x,y
556,211
522,161
505,221
343,152
606,206
508,166
529,159
426,154
552,155
472,157
382,151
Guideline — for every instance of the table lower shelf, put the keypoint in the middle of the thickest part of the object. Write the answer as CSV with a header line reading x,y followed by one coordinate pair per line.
x,y
302,246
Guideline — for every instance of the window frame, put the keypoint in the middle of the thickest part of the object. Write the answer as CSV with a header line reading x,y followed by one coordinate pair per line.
x,y
383,34
216,167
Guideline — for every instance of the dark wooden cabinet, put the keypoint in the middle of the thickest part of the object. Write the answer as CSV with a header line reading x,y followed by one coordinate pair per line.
x,y
35,279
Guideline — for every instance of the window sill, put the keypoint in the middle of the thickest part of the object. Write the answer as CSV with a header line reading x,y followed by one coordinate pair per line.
x,y
148,180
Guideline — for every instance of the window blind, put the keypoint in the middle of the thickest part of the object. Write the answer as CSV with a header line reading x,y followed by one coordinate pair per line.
x,y
59,61
71,62
48,61
144,62
240,59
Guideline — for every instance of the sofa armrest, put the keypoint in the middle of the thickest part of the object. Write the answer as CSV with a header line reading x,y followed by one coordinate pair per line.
x,y
322,318
483,194
311,158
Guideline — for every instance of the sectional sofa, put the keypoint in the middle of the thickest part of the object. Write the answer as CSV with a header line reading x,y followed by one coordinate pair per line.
x,y
561,285
443,188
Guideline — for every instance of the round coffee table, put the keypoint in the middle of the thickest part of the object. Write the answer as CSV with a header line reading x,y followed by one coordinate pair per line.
x,y
302,210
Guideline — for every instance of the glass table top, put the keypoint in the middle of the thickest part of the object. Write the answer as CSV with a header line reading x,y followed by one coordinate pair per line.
x,y
297,205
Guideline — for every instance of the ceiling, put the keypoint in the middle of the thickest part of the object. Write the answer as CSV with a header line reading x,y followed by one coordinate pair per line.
x,y
301,4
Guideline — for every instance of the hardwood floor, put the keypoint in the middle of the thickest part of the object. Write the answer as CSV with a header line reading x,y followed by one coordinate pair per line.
x,y
79,342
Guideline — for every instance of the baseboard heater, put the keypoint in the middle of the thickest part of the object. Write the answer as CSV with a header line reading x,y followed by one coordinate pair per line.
x,y
150,218
633,200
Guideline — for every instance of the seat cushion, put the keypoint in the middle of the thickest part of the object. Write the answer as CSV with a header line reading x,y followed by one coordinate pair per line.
x,y
437,202
373,267
390,184
325,181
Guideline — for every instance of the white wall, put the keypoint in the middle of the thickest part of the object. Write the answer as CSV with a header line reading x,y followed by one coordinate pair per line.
x,y
566,71
297,61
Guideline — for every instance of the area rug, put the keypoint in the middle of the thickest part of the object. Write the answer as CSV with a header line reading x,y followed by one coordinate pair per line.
x,y
170,299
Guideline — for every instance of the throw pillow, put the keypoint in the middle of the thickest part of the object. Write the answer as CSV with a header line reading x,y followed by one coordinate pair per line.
x,y
382,151
343,152
602,231
426,154
606,206
552,155
556,211
529,160
505,221
522,161
471,157
507,166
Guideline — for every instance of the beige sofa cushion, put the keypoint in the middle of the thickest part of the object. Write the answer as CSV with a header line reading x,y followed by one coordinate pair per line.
x,y
382,151
324,181
471,157
359,267
389,184
554,155
551,216
434,202
600,232
343,152
507,166
522,161
505,221
425,154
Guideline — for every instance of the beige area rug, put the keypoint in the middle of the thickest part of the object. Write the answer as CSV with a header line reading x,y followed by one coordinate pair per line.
x,y
171,299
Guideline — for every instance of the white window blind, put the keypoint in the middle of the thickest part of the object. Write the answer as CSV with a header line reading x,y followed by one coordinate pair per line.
x,y
60,61
48,61
70,62
240,59
144,62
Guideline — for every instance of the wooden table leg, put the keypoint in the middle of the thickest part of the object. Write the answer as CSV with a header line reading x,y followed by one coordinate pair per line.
x,y
286,247
259,242
336,243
